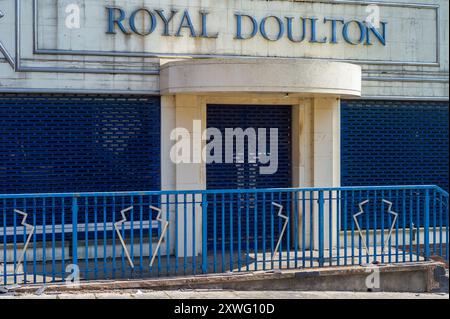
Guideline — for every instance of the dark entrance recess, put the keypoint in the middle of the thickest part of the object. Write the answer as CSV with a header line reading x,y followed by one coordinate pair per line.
x,y
230,214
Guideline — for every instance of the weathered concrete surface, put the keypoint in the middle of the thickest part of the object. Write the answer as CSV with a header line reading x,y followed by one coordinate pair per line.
x,y
411,277
233,76
224,294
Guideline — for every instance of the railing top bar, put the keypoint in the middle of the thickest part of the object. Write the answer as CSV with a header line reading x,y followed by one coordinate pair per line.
x,y
226,191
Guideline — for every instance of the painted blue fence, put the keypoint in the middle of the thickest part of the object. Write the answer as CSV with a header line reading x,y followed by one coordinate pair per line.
x,y
165,233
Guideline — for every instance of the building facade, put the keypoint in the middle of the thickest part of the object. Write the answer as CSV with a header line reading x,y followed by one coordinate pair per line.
x,y
95,96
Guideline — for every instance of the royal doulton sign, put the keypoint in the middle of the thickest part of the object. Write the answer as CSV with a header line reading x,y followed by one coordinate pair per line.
x,y
246,26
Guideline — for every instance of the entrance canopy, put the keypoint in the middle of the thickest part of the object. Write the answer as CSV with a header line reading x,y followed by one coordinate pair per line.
x,y
244,75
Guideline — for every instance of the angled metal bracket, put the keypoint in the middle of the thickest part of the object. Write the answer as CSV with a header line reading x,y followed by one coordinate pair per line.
x,y
116,226
355,218
361,211
286,218
30,228
163,233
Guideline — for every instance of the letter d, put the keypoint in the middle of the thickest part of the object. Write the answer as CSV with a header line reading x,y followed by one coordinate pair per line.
x,y
239,35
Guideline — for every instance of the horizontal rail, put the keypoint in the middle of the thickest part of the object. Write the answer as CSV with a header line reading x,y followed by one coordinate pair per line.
x,y
225,191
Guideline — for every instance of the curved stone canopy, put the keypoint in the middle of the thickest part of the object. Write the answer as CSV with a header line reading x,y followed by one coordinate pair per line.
x,y
244,75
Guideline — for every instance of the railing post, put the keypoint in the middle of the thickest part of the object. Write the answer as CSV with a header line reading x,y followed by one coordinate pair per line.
x,y
74,231
427,225
321,229
204,233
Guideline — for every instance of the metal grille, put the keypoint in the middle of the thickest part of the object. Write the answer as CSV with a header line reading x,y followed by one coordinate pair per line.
x,y
247,175
394,143
73,143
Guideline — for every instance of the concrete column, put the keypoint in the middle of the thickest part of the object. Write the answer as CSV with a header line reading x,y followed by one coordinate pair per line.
x,y
168,172
302,158
190,117
327,158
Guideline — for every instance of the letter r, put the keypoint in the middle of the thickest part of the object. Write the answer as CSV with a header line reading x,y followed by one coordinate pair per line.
x,y
113,20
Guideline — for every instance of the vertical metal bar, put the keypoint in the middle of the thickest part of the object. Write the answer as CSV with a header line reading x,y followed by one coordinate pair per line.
x,y
303,230
352,231
411,225
255,229
447,233
132,232
5,274
404,225
247,231
160,231
368,229
113,214
345,208
239,230
95,237
441,225
231,232
122,231
34,242
338,227
105,236
44,242
434,222
86,237
223,232
288,229
296,234
53,241
63,235
141,233
280,222
389,227
185,233
396,228
382,228
418,226
204,233
375,226
264,231
168,268
176,235
271,232
25,235
74,231
311,229
360,248
194,257
15,244
215,231
321,229
427,225
330,227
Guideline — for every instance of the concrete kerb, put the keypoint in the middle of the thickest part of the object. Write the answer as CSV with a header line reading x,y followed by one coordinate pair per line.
x,y
409,277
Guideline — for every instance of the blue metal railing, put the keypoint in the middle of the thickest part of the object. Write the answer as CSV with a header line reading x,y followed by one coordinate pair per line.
x,y
45,237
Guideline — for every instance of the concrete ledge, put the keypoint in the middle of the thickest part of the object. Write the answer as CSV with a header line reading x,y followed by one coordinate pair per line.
x,y
411,277
294,77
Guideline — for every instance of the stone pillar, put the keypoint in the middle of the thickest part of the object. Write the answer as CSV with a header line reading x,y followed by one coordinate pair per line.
x,y
327,159
302,158
188,171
